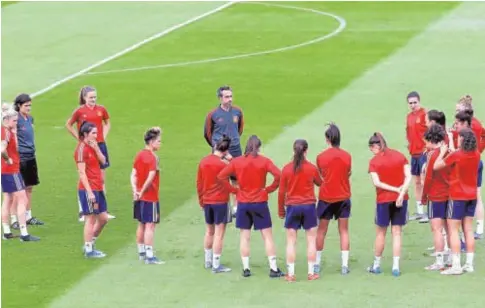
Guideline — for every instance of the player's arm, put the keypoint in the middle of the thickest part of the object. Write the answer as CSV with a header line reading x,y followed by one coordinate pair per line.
x,y
441,162
276,173
407,178
200,185
148,182
70,122
5,141
377,183
133,180
106,124
241,124
481,142
208,129
282,195
317,179
224,175
81,168
428,174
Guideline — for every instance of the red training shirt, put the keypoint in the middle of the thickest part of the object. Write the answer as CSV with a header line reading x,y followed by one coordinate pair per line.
x,y
464,174
335,166
96,115
145,162
12,152
389,166
251,174
415,130
479,132
87,155
209,189
298,188
436,182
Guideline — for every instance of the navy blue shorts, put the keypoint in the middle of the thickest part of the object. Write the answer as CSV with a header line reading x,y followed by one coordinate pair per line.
x,y
459,209
480,174
388,212
253,214
336,210
417,163
146,211
12,183
88,208
437,209
104,150
301,216
216,214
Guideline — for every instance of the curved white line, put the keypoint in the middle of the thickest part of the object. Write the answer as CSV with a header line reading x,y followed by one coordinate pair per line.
x,y
341,27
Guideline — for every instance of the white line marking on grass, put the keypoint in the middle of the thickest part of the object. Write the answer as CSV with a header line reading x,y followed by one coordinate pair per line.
x,y
341,27
131,48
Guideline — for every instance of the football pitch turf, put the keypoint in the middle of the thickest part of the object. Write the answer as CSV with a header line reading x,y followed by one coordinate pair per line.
x,y
357,77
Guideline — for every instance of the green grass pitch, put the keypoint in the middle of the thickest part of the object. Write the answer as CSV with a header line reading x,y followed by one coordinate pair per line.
x,y
361,77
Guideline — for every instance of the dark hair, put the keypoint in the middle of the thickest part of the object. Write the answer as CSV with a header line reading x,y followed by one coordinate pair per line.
x,y
252,146
463,116
222,145
152,134
20,100
469,110
85,90
469,142
437,116
413,94
223,88
333,135
435,134
85,128
378,139
299,148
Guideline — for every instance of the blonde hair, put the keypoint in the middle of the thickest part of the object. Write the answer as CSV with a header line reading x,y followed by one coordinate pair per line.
x,y
8,111
466,100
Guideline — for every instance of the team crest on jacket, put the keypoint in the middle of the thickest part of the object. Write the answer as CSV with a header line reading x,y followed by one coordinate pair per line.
x,y
235,119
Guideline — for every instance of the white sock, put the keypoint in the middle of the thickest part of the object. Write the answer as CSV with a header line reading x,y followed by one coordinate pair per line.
x,y
149,251
6,228
480,226
13,219
395,263
141,248
23,230
208,255
419,208
345,258
319,257
469,258
88,247
216,261
377,262
439,258
272,263
456,262
291,269
28,214
311,268
245,262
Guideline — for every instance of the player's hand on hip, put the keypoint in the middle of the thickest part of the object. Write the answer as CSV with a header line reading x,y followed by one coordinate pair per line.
x,y
9,161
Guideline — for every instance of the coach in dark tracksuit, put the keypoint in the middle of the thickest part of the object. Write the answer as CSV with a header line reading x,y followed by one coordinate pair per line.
x,y
227,120
28,163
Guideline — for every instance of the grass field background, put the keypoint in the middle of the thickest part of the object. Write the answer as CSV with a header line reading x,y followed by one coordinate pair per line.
x,y
358,79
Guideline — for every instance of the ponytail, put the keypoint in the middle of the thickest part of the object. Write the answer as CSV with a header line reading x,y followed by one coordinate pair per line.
x,y
299,148
252,146
333,135
85,90
223,144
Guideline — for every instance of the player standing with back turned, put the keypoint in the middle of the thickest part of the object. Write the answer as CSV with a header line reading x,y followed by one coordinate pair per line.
x,y
228,120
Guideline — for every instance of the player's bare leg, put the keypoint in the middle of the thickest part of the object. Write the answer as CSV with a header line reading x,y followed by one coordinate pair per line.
x,y
103,175
470,244
291,254
480,215
148,240
218,240
140,241
6,205
396,249
208,245
233,199
31,220
14,223
101,221
343,230
379,244
267,235
311,236
453,233
21,202
89,225
320,242
418,191
244,248
437,226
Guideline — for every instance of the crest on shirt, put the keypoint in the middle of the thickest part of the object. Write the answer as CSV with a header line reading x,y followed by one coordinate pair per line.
x,y
99,113
418,120
235,119
220,120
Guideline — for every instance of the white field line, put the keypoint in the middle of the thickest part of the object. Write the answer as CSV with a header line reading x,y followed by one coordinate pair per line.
x,y
131,48
340,28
